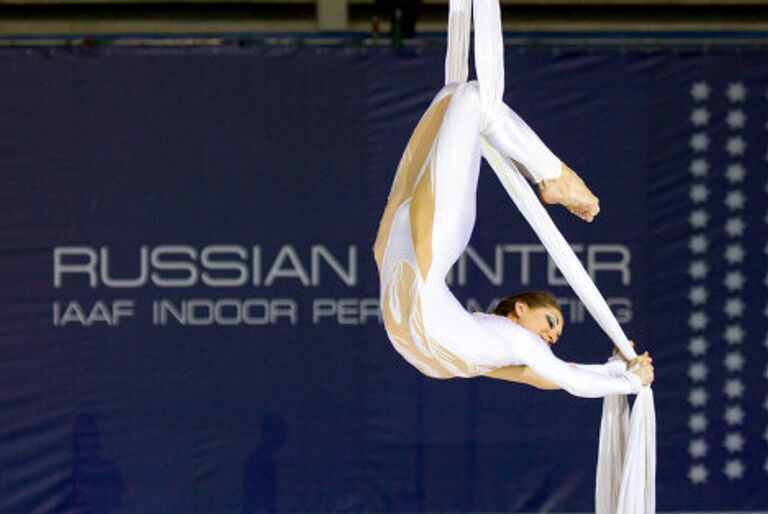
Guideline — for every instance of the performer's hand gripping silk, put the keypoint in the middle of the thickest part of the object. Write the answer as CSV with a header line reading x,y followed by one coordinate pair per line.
x,y
427,225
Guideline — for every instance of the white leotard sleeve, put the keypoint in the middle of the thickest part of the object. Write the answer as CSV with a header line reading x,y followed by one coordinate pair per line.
x,y
523,347
579,380
614,367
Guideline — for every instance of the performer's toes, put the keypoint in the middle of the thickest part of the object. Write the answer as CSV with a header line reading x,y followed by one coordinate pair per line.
x,y
589,210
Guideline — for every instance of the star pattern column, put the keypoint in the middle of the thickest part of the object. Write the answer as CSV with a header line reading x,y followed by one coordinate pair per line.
x,y
732,304
698,269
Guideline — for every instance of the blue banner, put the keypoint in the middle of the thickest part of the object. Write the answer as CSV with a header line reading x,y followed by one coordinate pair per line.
x,y
190,315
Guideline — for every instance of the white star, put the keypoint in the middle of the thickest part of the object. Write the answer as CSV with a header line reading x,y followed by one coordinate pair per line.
x,y
698,397
734,307
737,92
698,448
734,334
735,200
735,119
699,116
699,142
697,474
734,253
735,227
698,243
698,218
734,146
698,320
699,167
698,269
698,295
700,90
734,415
698,422
734,388
734,442
699,193
733,280
735,173
734,361
698,371
734,469
697,346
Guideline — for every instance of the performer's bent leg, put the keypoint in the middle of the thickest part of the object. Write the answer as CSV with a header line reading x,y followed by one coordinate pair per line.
x,y
510,135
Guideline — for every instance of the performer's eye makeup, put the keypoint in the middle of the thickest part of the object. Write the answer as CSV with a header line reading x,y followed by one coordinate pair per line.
x,y
552,320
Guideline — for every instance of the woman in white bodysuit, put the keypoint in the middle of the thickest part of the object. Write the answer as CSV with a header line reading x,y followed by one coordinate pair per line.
x,y
427,224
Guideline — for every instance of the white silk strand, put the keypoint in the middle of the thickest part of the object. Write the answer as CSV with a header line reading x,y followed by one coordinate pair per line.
x,y
626,467
614,432
638,476
456,56
626,477
489,53
557,247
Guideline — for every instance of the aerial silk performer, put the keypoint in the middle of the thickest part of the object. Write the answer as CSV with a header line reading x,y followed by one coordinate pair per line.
x,y
427,224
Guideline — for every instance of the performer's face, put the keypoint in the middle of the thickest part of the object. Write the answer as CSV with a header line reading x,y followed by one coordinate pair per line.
x,y
545,322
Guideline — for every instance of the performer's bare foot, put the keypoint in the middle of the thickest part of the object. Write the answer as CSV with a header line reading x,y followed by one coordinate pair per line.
x,y
570,191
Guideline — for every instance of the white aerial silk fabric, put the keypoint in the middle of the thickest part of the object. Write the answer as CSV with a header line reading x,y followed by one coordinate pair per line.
x,y
626,468
626,471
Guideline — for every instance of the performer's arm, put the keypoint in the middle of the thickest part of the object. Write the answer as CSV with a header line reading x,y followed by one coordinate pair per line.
x,y
522,375
546,371
526,375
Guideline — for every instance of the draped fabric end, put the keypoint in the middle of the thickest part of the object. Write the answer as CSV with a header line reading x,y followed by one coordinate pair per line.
x,y
626,468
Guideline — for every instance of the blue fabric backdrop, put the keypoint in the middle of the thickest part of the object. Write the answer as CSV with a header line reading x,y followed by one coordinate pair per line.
x,y
188,296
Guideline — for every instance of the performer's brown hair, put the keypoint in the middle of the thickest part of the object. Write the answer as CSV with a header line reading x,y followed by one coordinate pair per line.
x,y
533,299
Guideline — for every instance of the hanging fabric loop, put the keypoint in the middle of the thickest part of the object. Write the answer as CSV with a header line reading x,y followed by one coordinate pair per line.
x,y
457,53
